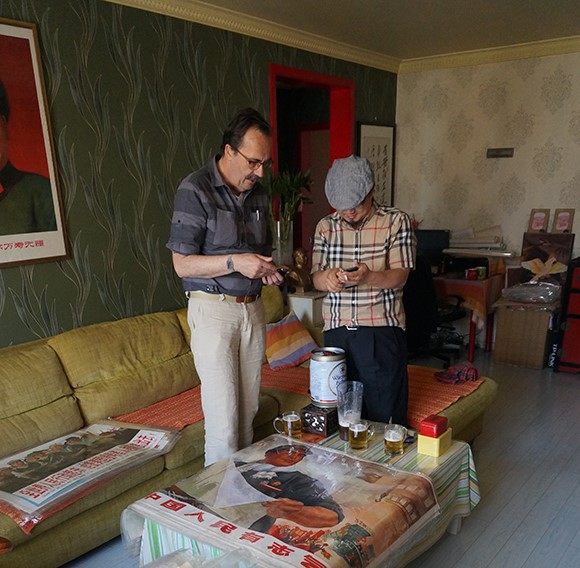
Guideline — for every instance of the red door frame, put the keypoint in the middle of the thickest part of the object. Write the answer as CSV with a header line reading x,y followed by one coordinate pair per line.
x,y
341,107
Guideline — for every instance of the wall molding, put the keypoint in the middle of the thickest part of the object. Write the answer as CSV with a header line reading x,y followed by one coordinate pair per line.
x,y
216,17
222,18
559,46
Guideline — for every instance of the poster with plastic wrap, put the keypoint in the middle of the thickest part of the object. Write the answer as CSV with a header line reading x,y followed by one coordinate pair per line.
x,y
296,504
38,482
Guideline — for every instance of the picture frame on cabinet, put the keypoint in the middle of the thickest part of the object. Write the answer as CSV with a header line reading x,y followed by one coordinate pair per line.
x,y
563,220
538,222
32,225
376,143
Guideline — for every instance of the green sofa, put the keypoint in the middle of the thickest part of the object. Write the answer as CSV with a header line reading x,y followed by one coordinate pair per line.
x,y
52,387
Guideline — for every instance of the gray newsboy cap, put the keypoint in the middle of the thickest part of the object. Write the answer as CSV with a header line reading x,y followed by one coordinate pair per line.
x,y
348,182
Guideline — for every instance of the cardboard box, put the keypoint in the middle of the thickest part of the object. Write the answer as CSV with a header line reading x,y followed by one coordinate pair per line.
x,y
434,447
522,331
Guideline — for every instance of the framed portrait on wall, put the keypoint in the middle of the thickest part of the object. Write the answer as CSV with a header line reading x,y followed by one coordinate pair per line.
x,y
538,222
31,215
377,144
563,219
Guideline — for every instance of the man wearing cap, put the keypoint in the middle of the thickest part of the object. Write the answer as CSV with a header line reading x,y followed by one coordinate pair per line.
x,y
26,204
363,311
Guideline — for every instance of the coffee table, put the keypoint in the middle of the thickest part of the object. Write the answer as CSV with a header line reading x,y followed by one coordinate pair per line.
x,y
161,526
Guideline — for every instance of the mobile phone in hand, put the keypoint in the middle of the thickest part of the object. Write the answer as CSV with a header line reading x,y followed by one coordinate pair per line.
x,y
351,269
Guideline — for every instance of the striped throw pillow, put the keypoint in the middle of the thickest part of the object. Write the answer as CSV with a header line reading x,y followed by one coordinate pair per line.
x,y
288,342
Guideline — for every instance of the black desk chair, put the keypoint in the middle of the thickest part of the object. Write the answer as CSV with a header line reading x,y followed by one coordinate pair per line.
x,y
429,319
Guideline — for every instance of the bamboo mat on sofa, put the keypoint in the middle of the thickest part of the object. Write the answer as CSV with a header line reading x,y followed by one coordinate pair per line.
x,y
426,396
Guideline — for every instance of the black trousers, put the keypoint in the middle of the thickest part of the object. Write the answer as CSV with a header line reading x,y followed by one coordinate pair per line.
x,y
377,357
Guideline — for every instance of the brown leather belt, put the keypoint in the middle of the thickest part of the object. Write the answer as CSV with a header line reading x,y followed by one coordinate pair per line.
x,y
222,297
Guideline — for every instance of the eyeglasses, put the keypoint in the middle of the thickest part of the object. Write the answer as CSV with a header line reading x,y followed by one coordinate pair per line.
x,y
253,163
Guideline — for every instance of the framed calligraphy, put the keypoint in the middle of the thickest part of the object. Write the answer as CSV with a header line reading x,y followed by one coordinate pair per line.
x,y
31,218
377,144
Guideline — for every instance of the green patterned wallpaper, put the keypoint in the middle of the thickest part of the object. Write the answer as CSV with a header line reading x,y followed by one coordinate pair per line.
x,y
137,101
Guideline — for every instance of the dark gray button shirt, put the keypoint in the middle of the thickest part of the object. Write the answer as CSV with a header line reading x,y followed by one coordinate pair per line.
x,y
209,219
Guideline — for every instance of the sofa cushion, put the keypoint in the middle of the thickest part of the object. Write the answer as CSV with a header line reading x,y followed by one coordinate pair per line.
x,y
117,367
273,304
34,389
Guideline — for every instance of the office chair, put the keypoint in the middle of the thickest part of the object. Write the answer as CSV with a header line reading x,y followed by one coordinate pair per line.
x,y
429,318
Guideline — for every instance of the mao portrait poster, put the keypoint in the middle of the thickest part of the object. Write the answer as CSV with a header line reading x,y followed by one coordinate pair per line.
x,y
31,221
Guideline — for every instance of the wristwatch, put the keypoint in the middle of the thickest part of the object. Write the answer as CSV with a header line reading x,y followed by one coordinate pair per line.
x,y
230,263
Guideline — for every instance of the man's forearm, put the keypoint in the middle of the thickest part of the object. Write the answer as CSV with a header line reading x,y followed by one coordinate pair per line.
x,y
391,279
200,266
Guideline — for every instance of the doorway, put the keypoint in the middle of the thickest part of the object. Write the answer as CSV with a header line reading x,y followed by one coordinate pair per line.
x,y
312,119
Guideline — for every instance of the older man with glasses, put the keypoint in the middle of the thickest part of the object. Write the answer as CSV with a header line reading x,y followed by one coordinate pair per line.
x,y
362,256
222,245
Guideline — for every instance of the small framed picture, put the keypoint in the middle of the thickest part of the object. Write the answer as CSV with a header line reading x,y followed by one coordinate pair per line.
x,y
538,221
563,219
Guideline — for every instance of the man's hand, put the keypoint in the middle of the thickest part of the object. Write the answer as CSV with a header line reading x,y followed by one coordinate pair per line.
x,y
327,280
354,277
257,266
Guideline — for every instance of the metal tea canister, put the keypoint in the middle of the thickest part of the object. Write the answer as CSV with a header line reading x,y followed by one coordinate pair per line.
x,y
327,370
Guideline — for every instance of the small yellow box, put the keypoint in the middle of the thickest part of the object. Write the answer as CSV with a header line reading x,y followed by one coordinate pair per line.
x,y
434,446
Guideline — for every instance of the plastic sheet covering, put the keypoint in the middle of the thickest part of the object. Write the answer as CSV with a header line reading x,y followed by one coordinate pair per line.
x,y
289,503
542,292
38,482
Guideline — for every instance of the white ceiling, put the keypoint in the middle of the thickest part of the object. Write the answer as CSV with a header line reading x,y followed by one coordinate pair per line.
x,y
393,32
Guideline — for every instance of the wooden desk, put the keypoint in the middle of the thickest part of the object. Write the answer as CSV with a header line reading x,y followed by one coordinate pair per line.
x,y
479,296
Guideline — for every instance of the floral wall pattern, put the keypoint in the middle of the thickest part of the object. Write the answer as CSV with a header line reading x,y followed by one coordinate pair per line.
x,y
136,102
446,120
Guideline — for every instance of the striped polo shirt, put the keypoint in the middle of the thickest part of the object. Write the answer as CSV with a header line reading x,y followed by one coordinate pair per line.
x,y
385,240
209,219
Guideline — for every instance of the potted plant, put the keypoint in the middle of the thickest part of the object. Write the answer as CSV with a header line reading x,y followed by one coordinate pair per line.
x,y
286,193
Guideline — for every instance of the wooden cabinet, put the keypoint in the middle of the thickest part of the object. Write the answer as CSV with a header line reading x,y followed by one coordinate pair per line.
x,y
568,359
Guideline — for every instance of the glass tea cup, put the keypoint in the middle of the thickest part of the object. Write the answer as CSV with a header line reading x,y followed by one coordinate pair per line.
x,y
349,399
394,437
289,424
359,434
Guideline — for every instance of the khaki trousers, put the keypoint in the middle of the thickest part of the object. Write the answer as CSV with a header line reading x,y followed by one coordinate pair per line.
x,y
228,344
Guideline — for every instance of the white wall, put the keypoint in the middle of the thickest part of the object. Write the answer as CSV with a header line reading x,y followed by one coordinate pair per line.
x,y
446,120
